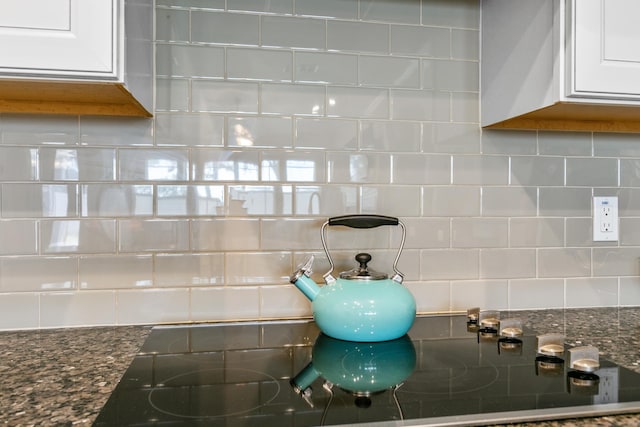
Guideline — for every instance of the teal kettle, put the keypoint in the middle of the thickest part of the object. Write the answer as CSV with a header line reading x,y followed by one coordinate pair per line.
x,y
361,305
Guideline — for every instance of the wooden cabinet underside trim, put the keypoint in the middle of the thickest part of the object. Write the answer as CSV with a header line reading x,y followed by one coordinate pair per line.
x,y
564,116
62,97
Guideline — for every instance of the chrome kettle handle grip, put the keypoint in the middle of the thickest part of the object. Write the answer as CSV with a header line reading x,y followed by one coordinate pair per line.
x,y
363,221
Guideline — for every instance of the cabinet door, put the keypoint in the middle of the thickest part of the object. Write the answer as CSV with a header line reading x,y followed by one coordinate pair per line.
x,y
65,38
606,37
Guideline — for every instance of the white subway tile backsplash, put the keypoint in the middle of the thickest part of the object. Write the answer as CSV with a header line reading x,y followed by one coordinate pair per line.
x,y
293,32
115,272
271,116
224,28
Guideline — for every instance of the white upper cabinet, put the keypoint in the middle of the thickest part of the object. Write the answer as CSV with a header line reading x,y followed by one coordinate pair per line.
x,y
561,64
76,56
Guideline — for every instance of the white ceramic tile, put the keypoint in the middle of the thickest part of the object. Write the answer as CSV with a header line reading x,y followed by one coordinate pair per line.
x,y
24,274
71,164
450,201
536,232
254,200
629,291
259,64
425,233
215,96
479,232
290,234
390,136
579,232
392,201
38,129
78,236
565,143
504,142
190,200
268,268
153,165
390,11
283,302
152,306
536,294
328,8
420,41
615,261
293,166
357,36
465,44
431,297
564,262
451,138
304,100
64,309
360,167
138,235
369,103
18,237
327,134
480,170
116,272
225,28
509,201
232,303
326,67
117,131
465,107
259,132
184,270
488,294
389,71
190,61
200,4
631,234
266,6
407,104
225,234
18,164
20,311
441,74
591,172
507,263
293,32
592,292
452,264
225,165
172,25
421,169
616,144
325,200
115,200
38,200
461,14
189,129
172,94
564,201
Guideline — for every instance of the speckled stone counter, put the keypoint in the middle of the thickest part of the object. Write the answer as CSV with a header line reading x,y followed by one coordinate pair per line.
x,y
63,377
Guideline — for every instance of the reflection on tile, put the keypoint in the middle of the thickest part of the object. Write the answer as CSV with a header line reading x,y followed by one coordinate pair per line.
x,y
592,292
115,272
290,166
277,235
259,64
152,306
425,233
271,132
258,268
225,234
390,136
189,129
154,165
189,61
120,131
260,200
190,200
409,104
393,201
114,200
224,97
225,165
431,297
359,167
423,41
138,235
38,129
172,94
389,71
75,236
370,103
71,164
326,67
229,303
282,302
172,25
38,274
326,200
38,200
183,270
303,100
327,134
18,164
615,261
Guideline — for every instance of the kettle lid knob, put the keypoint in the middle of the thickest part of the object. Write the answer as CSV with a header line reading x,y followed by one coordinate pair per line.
x,y
362,272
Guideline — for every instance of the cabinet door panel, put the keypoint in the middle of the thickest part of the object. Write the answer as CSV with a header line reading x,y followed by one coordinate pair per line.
x,y
607,48
58,38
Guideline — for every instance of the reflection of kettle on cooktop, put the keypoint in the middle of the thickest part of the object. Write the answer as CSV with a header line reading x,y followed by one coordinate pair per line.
x,y
360,369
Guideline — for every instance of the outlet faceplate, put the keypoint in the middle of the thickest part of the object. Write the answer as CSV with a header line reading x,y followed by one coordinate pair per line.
x,y
605,219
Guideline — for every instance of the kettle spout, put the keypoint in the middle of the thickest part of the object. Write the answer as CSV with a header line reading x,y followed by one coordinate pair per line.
x,y
301,278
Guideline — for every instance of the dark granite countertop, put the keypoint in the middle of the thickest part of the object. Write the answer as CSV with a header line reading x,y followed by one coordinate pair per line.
x,y
65,376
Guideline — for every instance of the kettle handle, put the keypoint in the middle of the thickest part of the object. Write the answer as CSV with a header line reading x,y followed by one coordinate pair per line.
x,y
363,221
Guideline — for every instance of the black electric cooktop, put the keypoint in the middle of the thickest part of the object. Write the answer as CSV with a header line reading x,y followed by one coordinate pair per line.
x,y
289,374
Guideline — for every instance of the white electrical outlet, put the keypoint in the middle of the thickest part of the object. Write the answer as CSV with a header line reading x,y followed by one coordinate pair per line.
x,y
605,219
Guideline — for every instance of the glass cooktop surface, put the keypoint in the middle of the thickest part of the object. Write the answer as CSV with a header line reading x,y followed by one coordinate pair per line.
x,y
289,374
